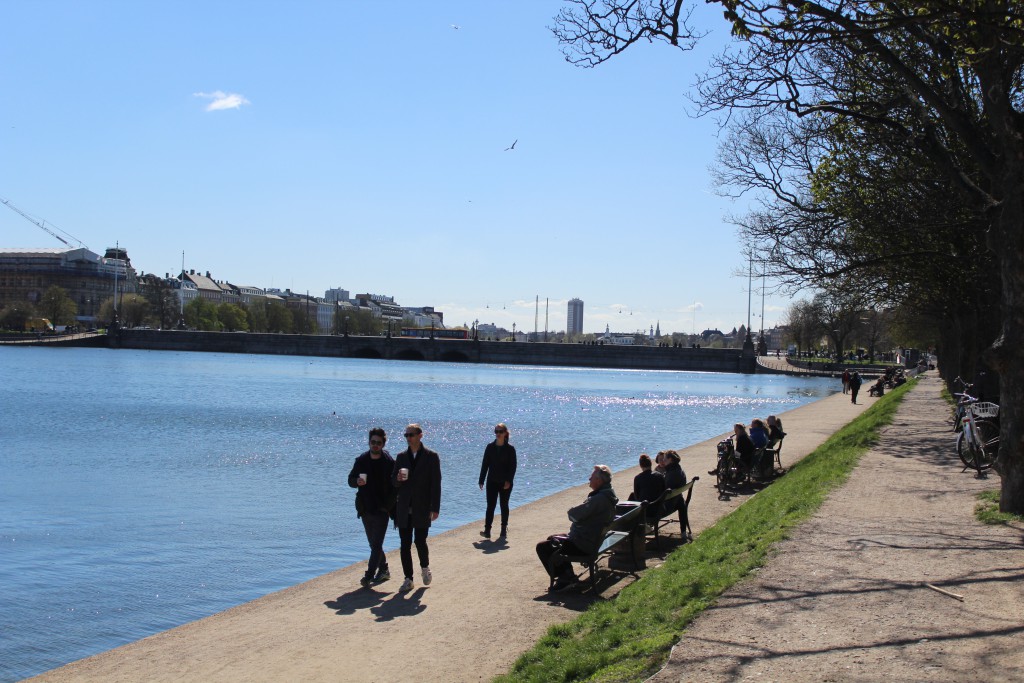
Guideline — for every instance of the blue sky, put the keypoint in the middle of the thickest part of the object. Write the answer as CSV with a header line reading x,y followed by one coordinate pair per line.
x,y
362,145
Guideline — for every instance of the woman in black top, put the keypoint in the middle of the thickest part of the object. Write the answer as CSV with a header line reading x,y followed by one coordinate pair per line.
x,y
744,446
498,470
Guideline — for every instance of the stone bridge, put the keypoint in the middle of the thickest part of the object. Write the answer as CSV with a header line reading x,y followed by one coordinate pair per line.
x,y
444,350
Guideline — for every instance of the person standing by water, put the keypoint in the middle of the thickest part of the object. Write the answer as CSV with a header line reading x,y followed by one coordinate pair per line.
x,y
498,470
855,382
846,381
371,477
417,475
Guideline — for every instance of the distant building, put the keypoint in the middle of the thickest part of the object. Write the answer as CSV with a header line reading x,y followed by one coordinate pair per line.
x,y
88,278
574,323
207,286
336,295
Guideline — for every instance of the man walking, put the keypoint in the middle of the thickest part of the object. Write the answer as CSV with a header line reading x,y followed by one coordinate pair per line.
x,y
371,477
417,475
855,383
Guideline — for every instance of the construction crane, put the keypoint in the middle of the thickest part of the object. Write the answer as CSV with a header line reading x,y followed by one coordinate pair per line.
x,y
42,224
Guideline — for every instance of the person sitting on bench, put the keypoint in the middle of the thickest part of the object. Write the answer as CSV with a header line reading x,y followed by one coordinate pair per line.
x,y
775,432
588,519
878,388
647,485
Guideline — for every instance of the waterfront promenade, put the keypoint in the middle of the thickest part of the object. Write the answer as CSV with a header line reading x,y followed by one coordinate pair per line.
x,y
487,604
845,595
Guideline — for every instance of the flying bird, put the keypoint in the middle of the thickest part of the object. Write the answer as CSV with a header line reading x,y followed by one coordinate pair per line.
x,y
512,146
455,26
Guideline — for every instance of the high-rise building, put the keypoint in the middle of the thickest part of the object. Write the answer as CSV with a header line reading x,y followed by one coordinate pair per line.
x,y
574,324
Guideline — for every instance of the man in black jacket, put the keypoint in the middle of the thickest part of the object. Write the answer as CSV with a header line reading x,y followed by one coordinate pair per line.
x,y
371,477
588,521
417,475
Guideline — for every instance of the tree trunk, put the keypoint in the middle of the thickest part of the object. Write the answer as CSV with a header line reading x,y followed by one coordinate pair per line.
x,y
1007,353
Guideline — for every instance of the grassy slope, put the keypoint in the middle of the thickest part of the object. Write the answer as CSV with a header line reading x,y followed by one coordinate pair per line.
x,y
629,638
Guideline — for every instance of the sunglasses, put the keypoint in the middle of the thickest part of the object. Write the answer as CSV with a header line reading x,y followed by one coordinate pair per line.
x,y
410,435
376,442
499,431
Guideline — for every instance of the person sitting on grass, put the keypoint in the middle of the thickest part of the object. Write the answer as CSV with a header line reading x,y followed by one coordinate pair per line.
x,y
588,519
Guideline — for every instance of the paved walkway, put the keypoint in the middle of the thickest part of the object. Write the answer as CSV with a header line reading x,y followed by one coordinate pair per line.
x,y
848,597
488,602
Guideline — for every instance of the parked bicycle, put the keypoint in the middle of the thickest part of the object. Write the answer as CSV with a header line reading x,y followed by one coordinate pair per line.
x,y
732,473
977,425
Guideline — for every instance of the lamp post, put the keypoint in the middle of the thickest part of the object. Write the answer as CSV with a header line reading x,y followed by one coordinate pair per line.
x,y
513,331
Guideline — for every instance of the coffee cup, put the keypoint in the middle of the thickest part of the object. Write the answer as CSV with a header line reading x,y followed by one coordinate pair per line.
x,y
362,478
403,473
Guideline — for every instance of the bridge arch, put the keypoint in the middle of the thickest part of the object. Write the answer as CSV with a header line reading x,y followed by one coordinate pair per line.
x,y
367,352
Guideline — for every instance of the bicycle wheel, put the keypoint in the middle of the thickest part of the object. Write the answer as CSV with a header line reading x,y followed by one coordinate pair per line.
x,y
967,455
722,475
987,434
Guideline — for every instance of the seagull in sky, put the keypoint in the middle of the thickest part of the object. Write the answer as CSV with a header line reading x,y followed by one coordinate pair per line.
x,y
512,146
455,27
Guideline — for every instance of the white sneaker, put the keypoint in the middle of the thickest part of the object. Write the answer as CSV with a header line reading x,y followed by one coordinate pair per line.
x,y
406,586
427,576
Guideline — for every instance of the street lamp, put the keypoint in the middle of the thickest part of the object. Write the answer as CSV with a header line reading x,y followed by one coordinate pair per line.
x,y
513,331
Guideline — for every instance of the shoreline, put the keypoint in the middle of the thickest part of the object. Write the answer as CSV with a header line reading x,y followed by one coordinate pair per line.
x,y
497,592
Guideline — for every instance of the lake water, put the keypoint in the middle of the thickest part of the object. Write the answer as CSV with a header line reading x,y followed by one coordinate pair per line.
x,y
140,490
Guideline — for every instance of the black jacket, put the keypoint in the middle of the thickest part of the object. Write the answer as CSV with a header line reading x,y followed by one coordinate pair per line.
x,y
591,517
499,465
420,494
648,485
378,493
674,475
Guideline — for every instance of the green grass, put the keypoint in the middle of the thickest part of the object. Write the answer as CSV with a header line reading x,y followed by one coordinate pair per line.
x,y
987,509
629,637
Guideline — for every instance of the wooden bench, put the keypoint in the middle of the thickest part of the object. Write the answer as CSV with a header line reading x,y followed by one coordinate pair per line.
x,y
775,448
673,500
617,532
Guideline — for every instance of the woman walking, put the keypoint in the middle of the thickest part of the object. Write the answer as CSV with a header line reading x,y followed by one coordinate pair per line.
x,y
497,471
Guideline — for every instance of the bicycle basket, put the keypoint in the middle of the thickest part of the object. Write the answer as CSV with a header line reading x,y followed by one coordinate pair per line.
x,y
983,409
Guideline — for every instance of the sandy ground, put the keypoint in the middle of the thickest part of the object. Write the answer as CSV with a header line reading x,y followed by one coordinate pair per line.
x,y
488,602
845,599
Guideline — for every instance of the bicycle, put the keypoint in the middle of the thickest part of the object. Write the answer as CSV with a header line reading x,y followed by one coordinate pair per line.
x,y
977,427
732,473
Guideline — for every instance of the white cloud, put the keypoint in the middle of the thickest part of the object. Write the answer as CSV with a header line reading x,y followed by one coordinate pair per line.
x,y
222,100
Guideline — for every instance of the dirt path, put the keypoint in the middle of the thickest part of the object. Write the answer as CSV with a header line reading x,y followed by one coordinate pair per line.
x,y
488,602
845,599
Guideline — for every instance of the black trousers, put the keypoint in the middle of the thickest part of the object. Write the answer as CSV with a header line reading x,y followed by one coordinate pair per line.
x,y
406,535
493,494
556,565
